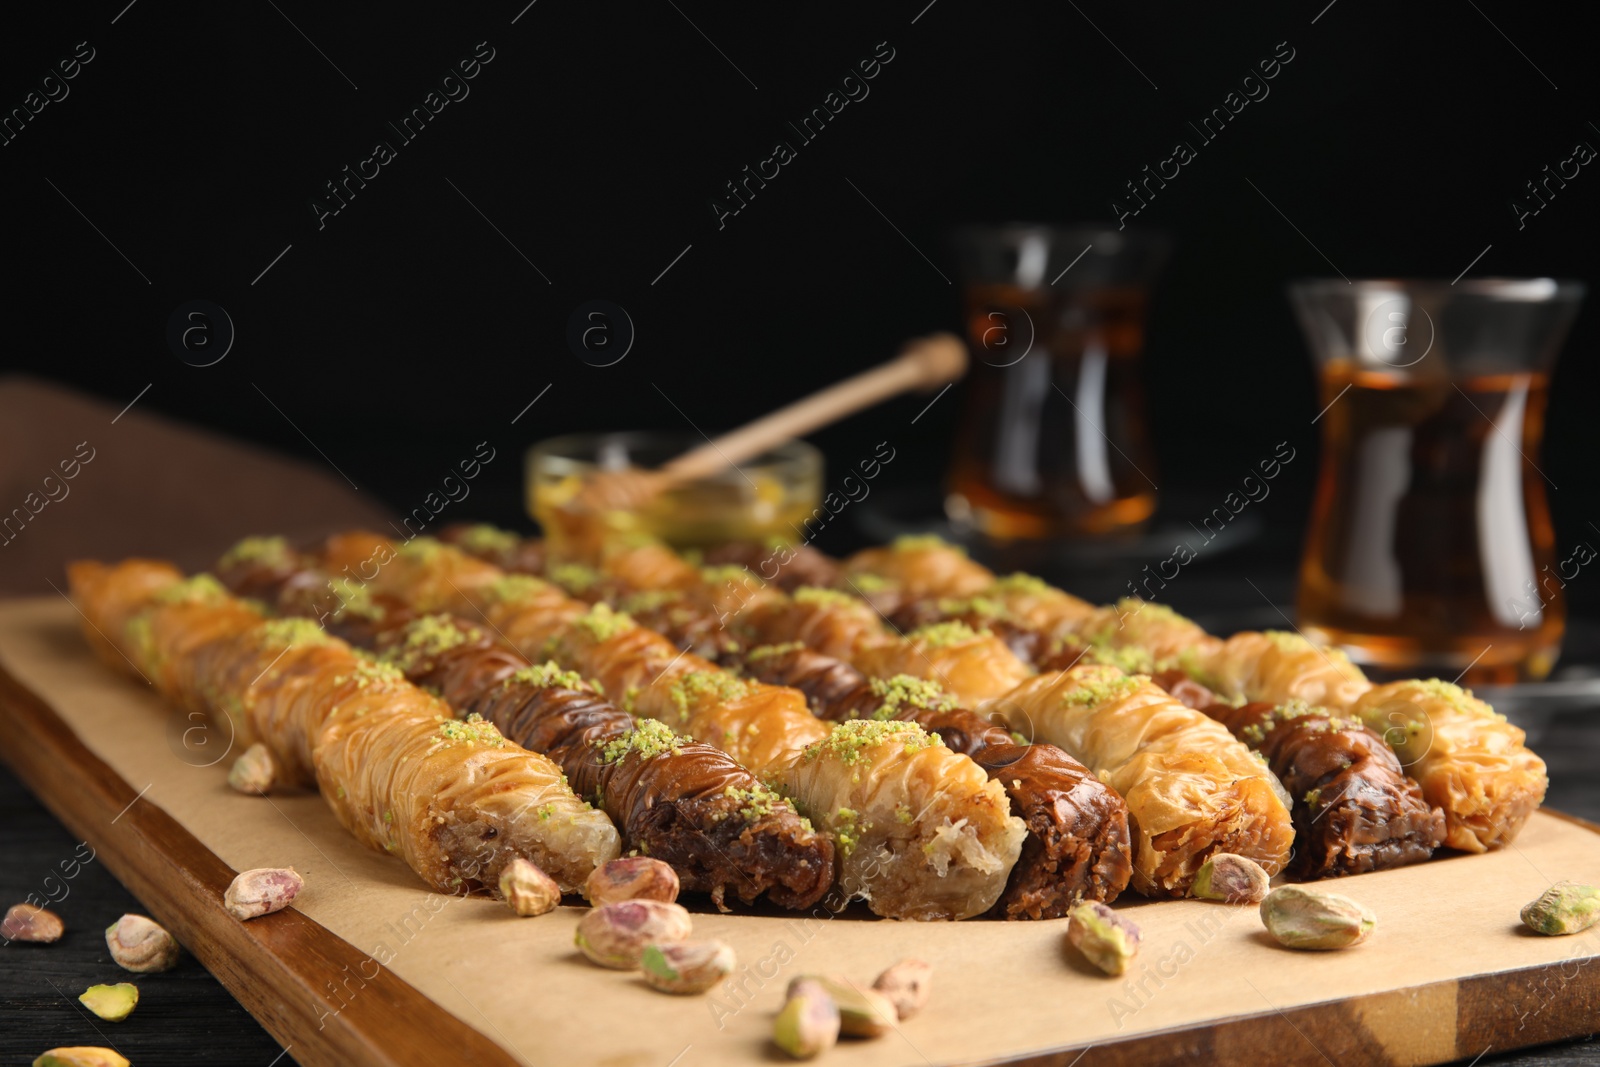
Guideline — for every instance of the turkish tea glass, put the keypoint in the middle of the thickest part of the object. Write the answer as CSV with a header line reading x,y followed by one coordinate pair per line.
x,y
1053,439
1430,549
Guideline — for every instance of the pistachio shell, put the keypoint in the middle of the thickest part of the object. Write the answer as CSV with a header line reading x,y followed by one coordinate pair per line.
x,y
141,945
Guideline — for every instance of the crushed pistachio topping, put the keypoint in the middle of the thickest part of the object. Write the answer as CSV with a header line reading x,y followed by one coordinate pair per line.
x,y
755,802
355,599
547,675
602,623
848,741
945,634
1312,797
1020,583
820,597
983,606
648,739
268,551
1094,693
431,635
142,639
511,588
198,589
1126,660
902,813
737,573
1129,605
293,632
371,672
481,539
1192,661
1292,643
904,690
1458,698
872,583
421,548
648,601
695,687
924,542
475,729
761,652
574,577
1293,709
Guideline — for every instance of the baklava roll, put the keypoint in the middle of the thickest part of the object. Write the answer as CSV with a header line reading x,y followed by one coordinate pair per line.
x,y
1354,808
837,691
1078,845
922,832
833,623
787,566
1155,629
1192,790
1275,667
761,726
1468,760
1030,645
974,665
923,566
454,800
503,548
1031,617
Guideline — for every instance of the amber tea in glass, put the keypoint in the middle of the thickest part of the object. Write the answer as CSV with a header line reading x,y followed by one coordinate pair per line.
x,y
1053,438
1430,531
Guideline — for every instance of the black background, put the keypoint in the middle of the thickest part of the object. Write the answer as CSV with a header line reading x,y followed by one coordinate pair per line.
x,y
407,329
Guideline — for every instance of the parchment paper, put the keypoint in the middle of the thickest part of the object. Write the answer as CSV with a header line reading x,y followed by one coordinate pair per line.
x,y
1000,989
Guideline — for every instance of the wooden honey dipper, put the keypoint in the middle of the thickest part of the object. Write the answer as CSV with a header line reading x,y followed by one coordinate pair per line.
x,y
925,364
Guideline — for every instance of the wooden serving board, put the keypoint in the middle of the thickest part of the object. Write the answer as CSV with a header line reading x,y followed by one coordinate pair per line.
x,y
370,968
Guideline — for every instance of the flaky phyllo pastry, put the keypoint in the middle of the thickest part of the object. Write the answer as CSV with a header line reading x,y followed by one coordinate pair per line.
x,y
974,665
922,566
1276,667
921,832
455,800
1191,789
1469,760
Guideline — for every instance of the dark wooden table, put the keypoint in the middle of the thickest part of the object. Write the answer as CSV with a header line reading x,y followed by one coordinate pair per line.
x,y
186,1017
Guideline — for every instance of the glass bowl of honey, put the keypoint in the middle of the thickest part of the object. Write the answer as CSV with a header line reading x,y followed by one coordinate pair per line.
x,y
769,497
